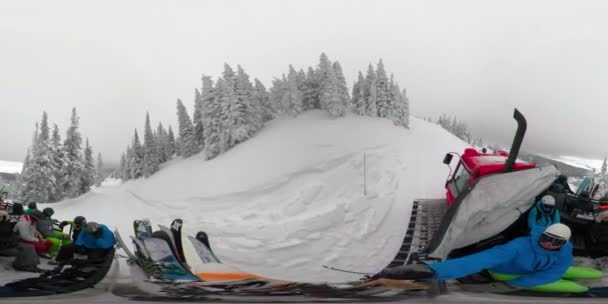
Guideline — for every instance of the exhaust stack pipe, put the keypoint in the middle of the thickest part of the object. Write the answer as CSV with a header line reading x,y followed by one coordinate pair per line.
x,y
519,138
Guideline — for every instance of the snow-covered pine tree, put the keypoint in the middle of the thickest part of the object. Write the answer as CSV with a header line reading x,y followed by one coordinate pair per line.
x,y
88,176
137,157
405,104
247,111
263,97
323,70
72,147
122,169
129,164
370,92
226,103
151,159
197,118
59,165
188,146
342,88
171,146
312,91
358,100
604,166
212,122
24,177
41,178
382,91
99,171
293,102
330,95
301,80
278,93
162,141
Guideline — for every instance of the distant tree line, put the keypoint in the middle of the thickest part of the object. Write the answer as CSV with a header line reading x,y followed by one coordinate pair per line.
x,y
233,108
54,170
459,129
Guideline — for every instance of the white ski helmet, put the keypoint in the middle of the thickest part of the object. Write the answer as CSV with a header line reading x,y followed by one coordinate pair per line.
x,y
548,200
559,230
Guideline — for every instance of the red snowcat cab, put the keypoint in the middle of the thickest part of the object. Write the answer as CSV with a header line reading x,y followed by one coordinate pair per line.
x,y
473,165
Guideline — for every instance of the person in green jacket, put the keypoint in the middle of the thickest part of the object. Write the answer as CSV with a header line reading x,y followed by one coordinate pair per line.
x,y
31,206
56,237
77,226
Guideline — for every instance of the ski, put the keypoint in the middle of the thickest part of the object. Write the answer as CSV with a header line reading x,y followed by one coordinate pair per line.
x,y
176,229
170,267
202,248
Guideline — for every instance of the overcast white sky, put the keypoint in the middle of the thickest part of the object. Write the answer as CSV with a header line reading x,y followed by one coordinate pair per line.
x,y
114,60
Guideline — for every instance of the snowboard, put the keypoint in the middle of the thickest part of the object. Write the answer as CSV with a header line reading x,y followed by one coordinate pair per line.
x,y
203,248
122,244
162,256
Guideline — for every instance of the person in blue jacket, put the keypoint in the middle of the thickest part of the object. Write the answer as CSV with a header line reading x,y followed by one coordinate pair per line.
x,y
543,213
95,240
541,258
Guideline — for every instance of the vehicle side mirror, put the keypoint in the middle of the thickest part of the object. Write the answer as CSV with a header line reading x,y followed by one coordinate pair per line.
x,y
447,159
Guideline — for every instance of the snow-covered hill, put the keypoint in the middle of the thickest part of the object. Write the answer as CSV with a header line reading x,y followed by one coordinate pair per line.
x,y
10,167
291,199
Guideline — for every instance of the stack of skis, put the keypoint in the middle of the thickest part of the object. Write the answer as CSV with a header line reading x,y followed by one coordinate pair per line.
x,y
160,271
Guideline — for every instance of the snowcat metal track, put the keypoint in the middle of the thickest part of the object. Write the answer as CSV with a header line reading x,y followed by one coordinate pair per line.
x,y
425,219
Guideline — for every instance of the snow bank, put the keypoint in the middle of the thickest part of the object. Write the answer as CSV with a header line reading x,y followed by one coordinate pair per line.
x,y
575,161
10,167
291,199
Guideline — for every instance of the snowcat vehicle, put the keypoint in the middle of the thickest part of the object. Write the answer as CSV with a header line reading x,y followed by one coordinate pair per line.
x,y
488,197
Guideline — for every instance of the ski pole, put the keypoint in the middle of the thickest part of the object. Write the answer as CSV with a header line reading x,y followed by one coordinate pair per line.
x,y
346,271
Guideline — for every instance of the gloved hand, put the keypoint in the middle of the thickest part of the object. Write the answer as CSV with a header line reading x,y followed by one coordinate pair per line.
x,y
63,224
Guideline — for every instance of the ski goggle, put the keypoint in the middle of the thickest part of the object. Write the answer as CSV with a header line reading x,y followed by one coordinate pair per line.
x,y
546,208
551,242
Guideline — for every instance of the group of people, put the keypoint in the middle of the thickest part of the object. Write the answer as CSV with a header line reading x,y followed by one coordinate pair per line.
x,y
29,234
542,257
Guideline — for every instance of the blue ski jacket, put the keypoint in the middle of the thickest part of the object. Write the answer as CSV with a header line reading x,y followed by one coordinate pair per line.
x,y
105,241
538,217
521,256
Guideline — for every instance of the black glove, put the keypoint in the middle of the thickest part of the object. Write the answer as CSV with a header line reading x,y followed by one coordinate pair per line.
x,y
63,224
405,272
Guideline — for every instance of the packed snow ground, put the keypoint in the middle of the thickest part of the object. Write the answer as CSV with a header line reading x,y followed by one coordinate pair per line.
x,y
585,163
291,199
10,167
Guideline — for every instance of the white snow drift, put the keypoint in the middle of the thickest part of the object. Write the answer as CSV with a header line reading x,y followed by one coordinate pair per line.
x,y
291,199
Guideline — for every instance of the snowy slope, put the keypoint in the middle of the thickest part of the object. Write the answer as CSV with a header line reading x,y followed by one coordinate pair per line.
x,y
291,199
10,167
585,163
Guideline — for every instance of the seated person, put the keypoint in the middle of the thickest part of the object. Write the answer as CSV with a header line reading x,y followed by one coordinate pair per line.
x,y
26,227
31,206
95,240
543,213
45,227
77,225
26,257
538,259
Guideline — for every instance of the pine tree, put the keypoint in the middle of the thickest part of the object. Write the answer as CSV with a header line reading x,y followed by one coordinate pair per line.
x,y
123,172
73,156
278,92
129,164
99,169
358,97
247,111
370,92
263,97
312,91
41,178
294,98
88,176
197,118
171,145
227,102
382,91
137,158
188,146
151,159
604,167
212,121
162,140
59,165
342,88
330,94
